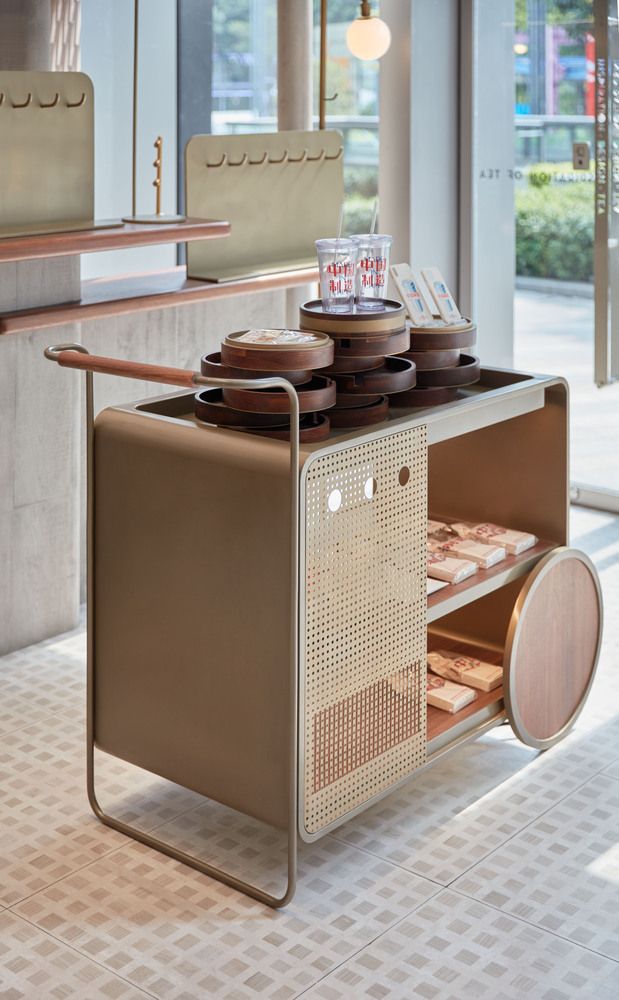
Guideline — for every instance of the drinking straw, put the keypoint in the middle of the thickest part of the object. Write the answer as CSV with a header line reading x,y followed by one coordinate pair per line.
x,y
341,222
374,215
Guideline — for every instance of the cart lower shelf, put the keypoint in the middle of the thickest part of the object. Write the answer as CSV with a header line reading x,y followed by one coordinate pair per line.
x,y
442,726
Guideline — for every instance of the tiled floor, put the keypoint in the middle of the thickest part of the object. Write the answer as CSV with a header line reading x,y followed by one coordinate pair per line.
x,y
494,875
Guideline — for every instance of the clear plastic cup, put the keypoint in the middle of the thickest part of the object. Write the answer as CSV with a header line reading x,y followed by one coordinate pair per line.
x,y
337,260
372,271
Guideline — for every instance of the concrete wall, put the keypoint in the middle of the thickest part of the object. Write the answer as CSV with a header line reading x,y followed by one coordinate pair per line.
x,y
42,509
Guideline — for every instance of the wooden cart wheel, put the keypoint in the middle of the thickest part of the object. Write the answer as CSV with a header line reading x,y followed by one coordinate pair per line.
x,y
552,648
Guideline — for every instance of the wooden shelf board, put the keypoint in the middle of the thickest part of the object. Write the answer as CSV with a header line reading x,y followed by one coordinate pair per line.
x,y
438,721
112,237
126,294
455,596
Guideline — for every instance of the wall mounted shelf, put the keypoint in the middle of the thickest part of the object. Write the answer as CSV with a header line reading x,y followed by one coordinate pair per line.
x,y
127,294
107,237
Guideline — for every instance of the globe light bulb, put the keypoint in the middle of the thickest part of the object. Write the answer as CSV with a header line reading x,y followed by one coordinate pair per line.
x,y
368,37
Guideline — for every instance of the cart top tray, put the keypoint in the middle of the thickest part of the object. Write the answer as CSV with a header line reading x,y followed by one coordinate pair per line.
x,y
499,395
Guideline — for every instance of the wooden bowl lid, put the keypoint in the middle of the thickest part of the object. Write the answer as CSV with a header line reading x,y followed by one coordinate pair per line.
x,y
465,373
209,407
350,364
425,396
359,347
434,359
357,323
316,394
395,375
211,366
311,350
313,427
442,338
360,416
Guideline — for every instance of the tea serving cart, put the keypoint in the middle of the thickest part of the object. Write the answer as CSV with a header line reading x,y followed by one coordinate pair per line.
x,y
257,610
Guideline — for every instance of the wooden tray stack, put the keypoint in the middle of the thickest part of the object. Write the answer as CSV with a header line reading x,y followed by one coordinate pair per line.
x,y
248,354
442,364
366,369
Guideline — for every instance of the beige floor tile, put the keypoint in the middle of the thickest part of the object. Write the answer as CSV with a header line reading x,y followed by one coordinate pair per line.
x,y
454,948
33,966
562,872
178,934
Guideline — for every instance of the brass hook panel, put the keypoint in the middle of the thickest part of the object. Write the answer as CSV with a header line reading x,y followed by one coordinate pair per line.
x,y
22,104
224,157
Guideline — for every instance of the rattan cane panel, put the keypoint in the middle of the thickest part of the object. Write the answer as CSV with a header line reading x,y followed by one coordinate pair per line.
x,y
365,623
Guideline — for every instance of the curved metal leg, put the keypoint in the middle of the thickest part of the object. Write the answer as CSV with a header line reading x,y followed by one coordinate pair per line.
x,y
130,831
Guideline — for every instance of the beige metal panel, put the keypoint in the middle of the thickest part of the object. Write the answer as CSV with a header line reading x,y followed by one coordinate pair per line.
x,y
192,606
46,153
513,473
363,640
280,191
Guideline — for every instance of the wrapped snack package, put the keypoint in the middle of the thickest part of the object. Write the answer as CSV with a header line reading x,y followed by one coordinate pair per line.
x,y
514,542
480,553
445,567
446,695
459,667
433,585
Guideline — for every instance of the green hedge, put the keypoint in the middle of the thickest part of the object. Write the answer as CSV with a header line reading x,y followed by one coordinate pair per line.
x,y
554,225
554,222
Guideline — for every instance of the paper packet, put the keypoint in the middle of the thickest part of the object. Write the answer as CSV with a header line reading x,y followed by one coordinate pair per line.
x,y
444,567
459,667
466,548
514,542
446,695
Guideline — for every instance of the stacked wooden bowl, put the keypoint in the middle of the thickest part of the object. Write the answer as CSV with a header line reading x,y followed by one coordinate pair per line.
x,y
444,363
366,368
299,357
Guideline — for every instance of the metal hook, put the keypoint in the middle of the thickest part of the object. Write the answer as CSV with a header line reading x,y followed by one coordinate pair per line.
x,y
1,99
315,159
281,159
77,104
337,155
334,98
224,157
298,159
24,104
239,163
257,163
52,104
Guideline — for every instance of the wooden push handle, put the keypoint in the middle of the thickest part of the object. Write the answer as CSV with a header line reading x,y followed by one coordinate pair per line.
x,y
127,369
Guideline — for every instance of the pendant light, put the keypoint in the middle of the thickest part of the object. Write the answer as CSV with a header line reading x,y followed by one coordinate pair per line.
x,y
368,37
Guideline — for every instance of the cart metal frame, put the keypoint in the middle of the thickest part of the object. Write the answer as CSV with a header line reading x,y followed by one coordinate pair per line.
x,y
55,353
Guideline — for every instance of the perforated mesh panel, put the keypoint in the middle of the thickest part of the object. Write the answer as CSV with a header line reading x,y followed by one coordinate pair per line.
x,y
365,623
